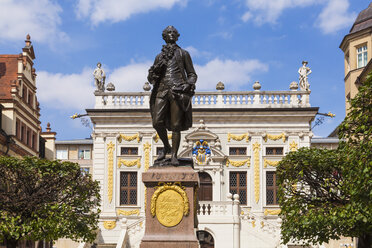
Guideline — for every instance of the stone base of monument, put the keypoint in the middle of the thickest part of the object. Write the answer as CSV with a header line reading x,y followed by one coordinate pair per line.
x,y
170,207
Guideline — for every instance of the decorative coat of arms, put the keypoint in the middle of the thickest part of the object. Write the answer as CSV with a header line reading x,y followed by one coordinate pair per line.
x,y
201,152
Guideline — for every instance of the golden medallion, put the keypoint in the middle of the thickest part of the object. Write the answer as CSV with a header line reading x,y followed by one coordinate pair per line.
x,y
169,203
169,208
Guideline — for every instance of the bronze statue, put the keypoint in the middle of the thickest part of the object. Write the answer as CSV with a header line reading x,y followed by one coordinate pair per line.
x,y
173,78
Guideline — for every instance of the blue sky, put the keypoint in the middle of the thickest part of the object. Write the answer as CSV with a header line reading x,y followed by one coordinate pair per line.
x,y
236,42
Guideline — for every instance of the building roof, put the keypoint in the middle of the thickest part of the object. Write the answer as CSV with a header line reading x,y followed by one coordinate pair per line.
x,y
363,21
88,141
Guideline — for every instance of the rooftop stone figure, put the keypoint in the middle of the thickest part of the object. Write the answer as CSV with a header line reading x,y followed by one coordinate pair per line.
x,y
304,71
99,78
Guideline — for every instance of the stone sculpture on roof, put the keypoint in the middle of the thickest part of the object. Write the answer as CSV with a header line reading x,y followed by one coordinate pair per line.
x,y
304,72
99,78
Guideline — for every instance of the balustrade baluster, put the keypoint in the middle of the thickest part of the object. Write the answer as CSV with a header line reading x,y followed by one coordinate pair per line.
x,y
265,99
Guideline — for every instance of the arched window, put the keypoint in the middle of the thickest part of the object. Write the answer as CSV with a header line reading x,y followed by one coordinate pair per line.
x,y
205,190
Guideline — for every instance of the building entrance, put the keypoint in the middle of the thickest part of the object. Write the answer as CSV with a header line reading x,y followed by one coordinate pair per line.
x,y
205,239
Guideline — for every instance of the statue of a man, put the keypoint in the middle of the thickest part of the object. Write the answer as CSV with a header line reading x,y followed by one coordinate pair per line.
x,y
99,77
304,71
173,78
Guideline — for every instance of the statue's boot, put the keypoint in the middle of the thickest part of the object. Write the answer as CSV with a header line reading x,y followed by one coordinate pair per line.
x,y
176,138
162,132
174,160
166,150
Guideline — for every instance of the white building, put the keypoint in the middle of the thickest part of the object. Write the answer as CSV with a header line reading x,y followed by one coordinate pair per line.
x,y
236,141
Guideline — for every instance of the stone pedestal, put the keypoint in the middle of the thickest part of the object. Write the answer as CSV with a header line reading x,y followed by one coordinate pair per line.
x,y
170,207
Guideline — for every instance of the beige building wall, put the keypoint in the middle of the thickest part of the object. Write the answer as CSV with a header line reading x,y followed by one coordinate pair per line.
x,y
72,147
359,35
350,47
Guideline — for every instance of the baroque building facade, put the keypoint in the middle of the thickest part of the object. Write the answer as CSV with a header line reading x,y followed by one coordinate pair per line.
x,y
20,133
236,142
20,130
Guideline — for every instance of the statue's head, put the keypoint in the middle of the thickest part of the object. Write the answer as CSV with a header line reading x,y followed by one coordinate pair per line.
x,y
304,63
99,65
170,34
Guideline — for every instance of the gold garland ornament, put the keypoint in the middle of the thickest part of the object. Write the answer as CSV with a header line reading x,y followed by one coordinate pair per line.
x,y
169,203
109,224
237,137
128,213
129,137
147,149
110,149
293,146
156,137
129,163
256,149
270,162
272,212
238,163
275,137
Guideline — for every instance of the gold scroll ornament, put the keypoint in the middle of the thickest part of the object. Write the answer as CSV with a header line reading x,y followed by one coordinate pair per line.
x,y
110,180
270,162
169,203
147,149
129,137
293,146
256,149
275,137
109,224
237,137
238,163
129,163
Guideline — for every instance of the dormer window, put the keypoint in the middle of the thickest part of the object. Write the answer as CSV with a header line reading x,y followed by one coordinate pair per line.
x,y
362,56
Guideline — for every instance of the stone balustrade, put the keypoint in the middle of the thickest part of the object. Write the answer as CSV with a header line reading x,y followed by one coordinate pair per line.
x,y
217,99
214,208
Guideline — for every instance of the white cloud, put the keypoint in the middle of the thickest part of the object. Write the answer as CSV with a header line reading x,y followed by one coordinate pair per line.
x,y
39,18
195,53
115,11
75,91
131,77
335,16
64,91
247,15
268,11
233,73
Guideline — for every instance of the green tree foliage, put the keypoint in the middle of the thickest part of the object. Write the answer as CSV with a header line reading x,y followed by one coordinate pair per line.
x,y
46,200
325,194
